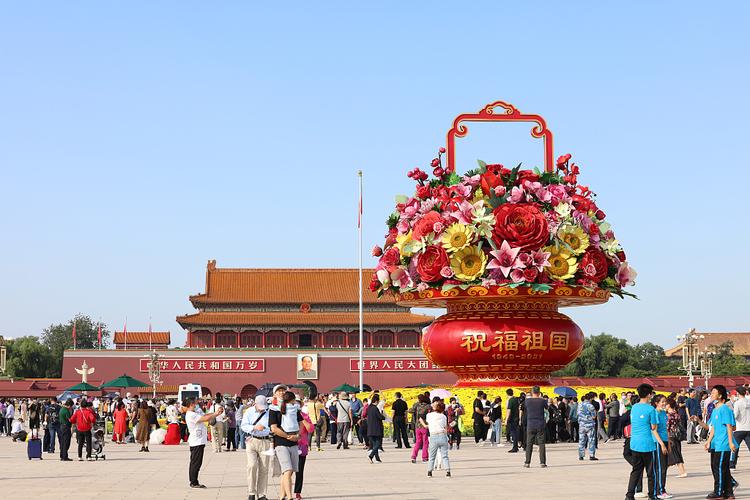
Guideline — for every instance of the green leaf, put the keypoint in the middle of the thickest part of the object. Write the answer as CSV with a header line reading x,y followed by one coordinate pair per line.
x,y
482,166
537,171
393,220
449,286
541,287
453,179
401,198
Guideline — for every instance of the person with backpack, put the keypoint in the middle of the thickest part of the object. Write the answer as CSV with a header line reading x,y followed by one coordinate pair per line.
x,y
52,418
343,420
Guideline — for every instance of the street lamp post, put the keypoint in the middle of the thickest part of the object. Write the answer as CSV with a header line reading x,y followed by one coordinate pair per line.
x,y
690,353
3,355
154,371
707,365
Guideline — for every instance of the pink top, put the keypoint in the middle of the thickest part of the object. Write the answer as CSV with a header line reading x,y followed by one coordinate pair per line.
x,y
304,435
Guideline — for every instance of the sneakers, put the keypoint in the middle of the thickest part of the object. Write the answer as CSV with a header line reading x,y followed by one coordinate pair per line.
x,y
663,496
543,466
429,473
593,458
640,494
448,474
526,466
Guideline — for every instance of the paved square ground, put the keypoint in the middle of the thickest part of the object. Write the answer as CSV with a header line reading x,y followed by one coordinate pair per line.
x,y
340,474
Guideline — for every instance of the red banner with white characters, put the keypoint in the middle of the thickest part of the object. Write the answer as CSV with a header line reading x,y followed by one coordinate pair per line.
x,y
393,365
208,365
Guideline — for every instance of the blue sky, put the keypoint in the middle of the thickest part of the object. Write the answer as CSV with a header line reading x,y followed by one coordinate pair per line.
x,y
137,141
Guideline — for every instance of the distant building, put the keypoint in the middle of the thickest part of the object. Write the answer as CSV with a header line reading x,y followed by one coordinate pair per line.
x,y
142,340
741,341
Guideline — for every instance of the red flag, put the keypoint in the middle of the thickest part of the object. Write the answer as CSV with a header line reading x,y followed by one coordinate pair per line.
x,y
149,334
74,334
359,215
99,335
125,333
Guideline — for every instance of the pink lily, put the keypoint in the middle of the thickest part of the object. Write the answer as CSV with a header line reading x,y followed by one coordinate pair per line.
x,y
540,259
504,258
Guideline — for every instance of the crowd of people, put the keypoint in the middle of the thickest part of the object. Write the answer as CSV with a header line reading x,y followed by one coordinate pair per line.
x,y
278,432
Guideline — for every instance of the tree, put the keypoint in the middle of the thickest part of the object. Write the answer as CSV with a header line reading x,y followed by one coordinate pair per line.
x,y
28,358
59,337
603,356
726,362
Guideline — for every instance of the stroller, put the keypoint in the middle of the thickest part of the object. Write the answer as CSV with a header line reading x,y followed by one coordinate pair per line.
x,y
97,445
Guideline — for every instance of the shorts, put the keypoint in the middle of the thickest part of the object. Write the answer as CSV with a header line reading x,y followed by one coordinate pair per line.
x,y
288,457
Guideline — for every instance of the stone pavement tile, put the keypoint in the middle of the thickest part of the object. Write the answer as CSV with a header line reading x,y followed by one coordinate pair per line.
x,y
482,472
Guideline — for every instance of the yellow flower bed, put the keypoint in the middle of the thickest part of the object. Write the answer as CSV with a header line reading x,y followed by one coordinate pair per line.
x,y
466,395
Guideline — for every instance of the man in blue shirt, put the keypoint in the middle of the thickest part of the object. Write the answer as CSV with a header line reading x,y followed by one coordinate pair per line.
x,y
258,442
721,444
643,441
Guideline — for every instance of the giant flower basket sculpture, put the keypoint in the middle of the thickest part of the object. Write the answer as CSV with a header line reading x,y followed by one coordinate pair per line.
x,y
502,249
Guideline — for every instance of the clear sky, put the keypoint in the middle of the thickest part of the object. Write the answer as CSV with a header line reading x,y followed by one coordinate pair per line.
x,y
140,139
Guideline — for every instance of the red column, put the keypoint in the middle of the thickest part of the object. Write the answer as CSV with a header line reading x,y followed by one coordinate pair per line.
x,y
213,339
238,340
288,335
347,339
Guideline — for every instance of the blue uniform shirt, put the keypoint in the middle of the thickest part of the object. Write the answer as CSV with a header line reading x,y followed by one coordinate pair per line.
x,y
720,417
642,417
661,427
248,422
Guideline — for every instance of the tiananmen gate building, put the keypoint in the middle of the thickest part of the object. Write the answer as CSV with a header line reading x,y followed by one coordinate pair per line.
x,y
254,326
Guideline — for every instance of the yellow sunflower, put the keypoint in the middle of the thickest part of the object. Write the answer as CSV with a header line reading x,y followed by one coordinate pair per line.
x,y
468,263
562,265
574,237
457,237
406,245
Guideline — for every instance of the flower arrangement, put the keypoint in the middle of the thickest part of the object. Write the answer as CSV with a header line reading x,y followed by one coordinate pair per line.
x,y
502,227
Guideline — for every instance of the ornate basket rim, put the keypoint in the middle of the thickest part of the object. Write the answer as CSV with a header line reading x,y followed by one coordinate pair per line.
x,y
562,295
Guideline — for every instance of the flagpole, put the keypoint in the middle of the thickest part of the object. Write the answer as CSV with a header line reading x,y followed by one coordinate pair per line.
x,y
361,326
125,333
74,334
99,333
149,335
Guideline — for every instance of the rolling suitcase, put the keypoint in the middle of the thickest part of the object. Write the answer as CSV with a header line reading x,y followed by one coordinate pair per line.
x,y
35,448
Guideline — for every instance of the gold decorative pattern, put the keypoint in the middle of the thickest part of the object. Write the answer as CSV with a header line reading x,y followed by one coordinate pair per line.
x,y
560,296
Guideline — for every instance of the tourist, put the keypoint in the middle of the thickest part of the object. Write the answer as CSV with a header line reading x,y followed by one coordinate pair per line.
x,y
333,413
83,418
562,420
421,442
10,414
660,461
321,424
120,428
550,428
34,419
399,409
478,414
343,420
693,410
143,426
17,432
52,419
285,427
495,415
240,436
535,406
522,420
512,419
455,427
66,411
217,427
173,436
613,417
363,424
197,437
587,427
627,453
720,443
257,430
306,429
573,420
742,417
644,439
674,431
437,423
375,419
231,423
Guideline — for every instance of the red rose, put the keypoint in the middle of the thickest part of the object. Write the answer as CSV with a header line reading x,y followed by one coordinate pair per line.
x,y
489,180
374,283
391,259
523,225
594,265
423,192
390,238
530,274
430,262
424,225
526,175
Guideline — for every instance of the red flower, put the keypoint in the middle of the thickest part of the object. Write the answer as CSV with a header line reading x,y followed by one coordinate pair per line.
x,y
621,256
523,225
439,172
430,262
442,150
526,175
600,215
489,180
391,259
435,162
594,265
390,238
562,160
530,274
423,192
377,251
424,226
374,283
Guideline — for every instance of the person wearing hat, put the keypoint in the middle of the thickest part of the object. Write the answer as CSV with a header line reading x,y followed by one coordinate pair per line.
x,y
343,420
258,441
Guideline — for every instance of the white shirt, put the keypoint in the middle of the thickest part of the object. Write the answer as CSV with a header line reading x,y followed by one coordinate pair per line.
x,y
16,427
10,412
437,423
172,416
197,429
742,413
214,408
